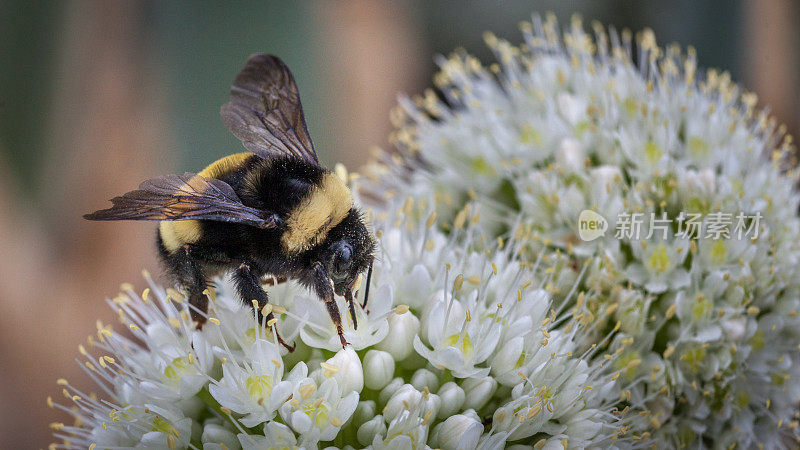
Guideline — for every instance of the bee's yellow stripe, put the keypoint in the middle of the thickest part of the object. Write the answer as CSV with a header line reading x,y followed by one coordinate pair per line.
x,y
325,207
177,233
225,165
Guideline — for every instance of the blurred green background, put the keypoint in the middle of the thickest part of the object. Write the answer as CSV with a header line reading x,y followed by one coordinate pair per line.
x,y
97,95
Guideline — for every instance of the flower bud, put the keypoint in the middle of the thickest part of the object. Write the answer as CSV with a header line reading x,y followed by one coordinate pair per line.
x,y
423,378
735,328
571,107
346,368
478,391
452,398
400,341
370,429
406,395
364,411
459,432
569,155
378,369
387,392
218,434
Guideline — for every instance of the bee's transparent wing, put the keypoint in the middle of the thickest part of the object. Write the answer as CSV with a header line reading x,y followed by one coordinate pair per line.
x,y
185,197
265,113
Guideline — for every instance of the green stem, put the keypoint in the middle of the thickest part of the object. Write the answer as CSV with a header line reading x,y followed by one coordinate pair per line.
x,y
446,376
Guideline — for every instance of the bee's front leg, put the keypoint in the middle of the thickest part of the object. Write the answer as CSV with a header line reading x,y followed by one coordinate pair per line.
x,y
322,285
249,288
348,295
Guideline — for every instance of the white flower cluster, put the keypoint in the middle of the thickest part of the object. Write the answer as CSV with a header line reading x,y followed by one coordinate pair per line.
x,y
490,323
568,122
459,347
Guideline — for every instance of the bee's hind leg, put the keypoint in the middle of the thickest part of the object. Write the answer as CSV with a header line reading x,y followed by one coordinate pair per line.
x,y
248,286
188,272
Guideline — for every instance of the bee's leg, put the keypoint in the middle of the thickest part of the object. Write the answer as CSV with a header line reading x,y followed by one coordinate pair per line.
x,y
249,288
348,295
189,273
322,285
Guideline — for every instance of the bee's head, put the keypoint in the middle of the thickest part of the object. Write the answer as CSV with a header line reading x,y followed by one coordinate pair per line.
x,y
349,249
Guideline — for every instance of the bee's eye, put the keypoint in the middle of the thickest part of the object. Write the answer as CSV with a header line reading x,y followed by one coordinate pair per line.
x,y
342,258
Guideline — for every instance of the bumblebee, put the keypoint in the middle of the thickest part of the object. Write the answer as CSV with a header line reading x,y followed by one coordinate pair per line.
x,y
272,210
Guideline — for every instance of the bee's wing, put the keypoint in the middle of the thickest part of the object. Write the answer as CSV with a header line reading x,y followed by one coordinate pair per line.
x,y
264,110
185,197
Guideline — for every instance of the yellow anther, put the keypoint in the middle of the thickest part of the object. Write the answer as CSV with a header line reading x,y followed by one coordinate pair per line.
x,y
272,322
459,281
307,390
401,309
431,219
213,320
329,366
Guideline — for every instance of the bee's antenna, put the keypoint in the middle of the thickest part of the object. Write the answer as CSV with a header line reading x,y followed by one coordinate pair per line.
x,y
366,289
